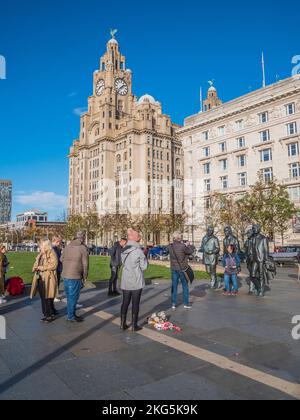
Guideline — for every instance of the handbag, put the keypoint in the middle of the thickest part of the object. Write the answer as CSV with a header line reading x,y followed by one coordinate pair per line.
x,y
188,273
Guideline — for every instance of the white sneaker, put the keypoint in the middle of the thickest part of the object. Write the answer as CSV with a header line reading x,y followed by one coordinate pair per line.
x,y
174,307
56,300
78,306
187,306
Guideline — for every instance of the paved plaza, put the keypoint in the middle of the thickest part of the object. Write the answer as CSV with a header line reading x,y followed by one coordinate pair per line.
x,y
230,348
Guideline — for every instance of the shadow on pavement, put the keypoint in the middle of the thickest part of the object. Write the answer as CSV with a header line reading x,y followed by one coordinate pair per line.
x,y
48,359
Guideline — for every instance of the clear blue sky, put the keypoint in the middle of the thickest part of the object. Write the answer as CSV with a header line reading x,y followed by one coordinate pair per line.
x,y
52,48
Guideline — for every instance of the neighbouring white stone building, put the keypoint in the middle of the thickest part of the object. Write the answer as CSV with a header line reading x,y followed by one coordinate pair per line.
x,y
228,144
25,218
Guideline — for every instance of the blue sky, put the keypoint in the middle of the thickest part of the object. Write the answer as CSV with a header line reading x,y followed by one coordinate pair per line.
x,y
52,48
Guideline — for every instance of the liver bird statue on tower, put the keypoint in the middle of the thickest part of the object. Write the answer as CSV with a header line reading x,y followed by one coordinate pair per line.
x,y
113,33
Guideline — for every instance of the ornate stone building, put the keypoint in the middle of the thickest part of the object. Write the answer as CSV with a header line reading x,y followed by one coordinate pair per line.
x,y
5,201
226,146
127,158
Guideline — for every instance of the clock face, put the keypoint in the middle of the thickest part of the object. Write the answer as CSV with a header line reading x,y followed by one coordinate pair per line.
x,y
100,86
121,87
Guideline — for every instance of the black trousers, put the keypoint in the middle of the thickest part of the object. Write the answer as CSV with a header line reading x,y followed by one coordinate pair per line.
x,y
47,304
113,282
135,297
58,279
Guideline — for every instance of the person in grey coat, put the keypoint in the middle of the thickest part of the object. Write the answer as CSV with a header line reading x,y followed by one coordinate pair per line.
x,y
211,250
135,264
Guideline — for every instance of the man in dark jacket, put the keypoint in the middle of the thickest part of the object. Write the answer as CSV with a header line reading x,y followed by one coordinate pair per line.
x,y
179,253
75,260
57,248
115,265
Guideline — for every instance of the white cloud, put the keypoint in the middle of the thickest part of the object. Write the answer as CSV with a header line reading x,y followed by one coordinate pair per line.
x,y
42,200
72,94
79,111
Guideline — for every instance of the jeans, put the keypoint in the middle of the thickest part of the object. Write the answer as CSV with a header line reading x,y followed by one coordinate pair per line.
x,y
233,278
176,277
72,291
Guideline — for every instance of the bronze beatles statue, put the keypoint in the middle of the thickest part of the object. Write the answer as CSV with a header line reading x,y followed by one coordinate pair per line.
x,y
211,249
248,247
230,239
262,268
260,264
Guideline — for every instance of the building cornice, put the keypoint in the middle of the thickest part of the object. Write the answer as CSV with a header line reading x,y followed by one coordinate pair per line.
x,y
241,105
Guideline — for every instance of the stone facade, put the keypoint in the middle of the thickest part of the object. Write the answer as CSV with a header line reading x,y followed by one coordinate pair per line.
x,y
5,201
23,219
127,158
226,147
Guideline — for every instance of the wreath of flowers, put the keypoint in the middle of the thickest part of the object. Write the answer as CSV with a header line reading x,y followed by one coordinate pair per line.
x,y
161,322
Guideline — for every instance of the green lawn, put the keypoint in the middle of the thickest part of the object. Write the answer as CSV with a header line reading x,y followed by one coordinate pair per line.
x,y
21,265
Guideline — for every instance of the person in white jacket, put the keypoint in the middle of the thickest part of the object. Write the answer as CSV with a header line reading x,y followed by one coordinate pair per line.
x,y
133,281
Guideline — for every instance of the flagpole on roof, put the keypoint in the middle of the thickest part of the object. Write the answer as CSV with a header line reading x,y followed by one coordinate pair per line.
x,y
201,100
263,69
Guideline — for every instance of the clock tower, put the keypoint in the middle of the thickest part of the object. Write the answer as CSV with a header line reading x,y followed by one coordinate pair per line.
x,y
127,158
112,96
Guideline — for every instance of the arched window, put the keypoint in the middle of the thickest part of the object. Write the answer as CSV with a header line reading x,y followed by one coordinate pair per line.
x,y
178,167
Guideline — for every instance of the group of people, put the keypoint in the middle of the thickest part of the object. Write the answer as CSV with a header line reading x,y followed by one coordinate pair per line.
x,y
128,253
71,264
51,265
260,265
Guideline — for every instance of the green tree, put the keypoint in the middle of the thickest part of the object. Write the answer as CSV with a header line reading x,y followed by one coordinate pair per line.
x,y
269,205
232,214
75,223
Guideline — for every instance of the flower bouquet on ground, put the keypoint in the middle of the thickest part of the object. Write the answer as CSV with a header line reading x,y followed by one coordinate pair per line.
x,y
160,322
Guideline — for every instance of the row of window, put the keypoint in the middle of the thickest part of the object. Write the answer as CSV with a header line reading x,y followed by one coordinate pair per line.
x,y
123,144
158,167
96,163
294,173
241,161
263,118
265,136
266,155
156,154
96,174
125,156
267,174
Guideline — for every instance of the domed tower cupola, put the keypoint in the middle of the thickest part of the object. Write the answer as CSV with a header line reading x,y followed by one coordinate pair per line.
x,y
113,59
212,101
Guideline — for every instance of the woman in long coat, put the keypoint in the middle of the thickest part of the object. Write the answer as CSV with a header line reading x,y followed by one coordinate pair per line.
x,y
45,280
